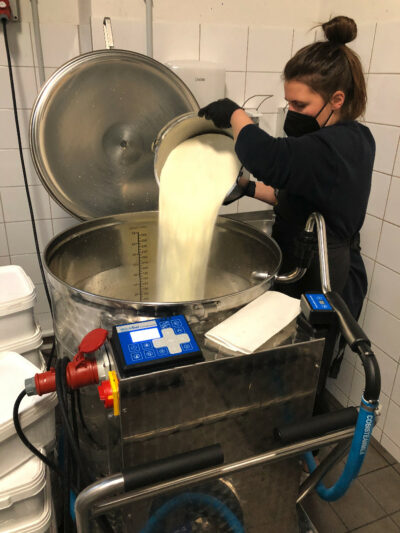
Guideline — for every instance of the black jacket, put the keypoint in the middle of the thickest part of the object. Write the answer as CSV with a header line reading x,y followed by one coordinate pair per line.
x,y
328,171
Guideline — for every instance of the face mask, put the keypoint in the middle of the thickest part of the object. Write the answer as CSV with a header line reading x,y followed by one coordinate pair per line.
x,y
297,124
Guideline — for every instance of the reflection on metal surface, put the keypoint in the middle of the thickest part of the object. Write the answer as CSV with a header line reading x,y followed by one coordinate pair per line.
x,y
235,401
92,127
316,218
90,499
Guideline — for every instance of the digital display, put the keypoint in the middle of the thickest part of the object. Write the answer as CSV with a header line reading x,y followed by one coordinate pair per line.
x,y
145,334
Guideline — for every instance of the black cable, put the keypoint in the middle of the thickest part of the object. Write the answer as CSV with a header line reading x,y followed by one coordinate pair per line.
x,y
60,377
86,430
73,416
21,155
50,360
23,438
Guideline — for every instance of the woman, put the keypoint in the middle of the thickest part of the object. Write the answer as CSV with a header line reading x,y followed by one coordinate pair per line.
x,y
324,165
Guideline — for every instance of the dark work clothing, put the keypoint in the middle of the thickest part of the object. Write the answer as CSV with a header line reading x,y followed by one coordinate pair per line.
x,y
328,171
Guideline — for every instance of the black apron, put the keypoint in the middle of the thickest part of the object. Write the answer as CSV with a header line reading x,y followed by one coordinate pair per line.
x,y
347,275
347,272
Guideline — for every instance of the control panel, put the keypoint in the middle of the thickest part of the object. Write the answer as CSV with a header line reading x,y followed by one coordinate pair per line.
x,y
154,344
316,308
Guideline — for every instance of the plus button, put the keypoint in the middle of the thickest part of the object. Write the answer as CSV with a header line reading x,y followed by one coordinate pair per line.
x,y
171,341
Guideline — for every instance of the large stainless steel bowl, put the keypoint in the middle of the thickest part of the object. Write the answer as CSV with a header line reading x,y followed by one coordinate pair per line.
x,y
103,272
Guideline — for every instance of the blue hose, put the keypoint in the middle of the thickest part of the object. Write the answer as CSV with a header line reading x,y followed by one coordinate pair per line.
x,y
359,445
187,499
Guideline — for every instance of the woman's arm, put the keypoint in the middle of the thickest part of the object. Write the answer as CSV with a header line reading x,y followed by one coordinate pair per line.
x,y
265,193
239,120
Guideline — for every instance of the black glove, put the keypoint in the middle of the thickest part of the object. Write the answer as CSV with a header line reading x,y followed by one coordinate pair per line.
x,y
219,112
243,187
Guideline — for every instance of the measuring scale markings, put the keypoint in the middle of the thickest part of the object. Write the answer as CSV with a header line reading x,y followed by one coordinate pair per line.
x,y
139,244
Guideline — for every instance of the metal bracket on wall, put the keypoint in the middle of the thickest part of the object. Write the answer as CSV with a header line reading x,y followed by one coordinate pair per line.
x,y
108,35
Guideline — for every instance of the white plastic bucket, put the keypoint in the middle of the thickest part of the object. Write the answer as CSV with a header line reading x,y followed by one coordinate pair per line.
x,y
17,298
31,515
22,494
36,413
28,347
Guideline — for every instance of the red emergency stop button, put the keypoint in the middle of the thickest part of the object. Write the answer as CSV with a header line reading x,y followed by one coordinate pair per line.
x,y
106,394
109,392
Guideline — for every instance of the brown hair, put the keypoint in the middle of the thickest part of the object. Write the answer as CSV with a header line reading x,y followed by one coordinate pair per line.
x,y
329,66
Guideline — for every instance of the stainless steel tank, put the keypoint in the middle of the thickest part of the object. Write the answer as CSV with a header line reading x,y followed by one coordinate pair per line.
x,y
103,272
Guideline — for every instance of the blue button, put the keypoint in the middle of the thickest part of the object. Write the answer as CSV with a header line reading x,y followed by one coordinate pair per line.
x,y
149,354
131,347
147,344
137,356
176,322
187,346
179,330
163,351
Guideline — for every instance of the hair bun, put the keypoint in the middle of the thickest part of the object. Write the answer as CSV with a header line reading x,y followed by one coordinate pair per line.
x,y
340,30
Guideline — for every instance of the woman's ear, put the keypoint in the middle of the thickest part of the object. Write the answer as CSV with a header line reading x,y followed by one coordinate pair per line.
x,y
337,100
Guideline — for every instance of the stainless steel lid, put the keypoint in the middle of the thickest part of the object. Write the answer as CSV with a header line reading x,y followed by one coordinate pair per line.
x,y
92,128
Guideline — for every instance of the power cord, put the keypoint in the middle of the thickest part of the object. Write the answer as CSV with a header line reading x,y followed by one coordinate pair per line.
x,y
28,195
21,155
24,439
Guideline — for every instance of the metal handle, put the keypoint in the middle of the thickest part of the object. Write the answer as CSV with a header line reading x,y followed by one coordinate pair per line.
x,y
108,35
89,500
298,272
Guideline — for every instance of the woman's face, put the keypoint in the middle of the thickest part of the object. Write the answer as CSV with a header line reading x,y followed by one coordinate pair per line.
x,y
302,99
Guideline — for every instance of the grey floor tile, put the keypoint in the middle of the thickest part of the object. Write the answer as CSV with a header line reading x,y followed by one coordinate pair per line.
x,y
384,485
322,515
385,454
357,507
381,526
373,461
396,518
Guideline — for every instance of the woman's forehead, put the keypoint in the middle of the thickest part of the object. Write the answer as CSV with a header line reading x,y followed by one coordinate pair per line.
x,y
297,90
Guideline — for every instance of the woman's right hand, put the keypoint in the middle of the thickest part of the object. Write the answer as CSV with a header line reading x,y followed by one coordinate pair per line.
x,y
219,112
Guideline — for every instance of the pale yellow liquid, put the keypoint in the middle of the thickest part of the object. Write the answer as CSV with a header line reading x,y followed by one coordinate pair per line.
x,y
194,181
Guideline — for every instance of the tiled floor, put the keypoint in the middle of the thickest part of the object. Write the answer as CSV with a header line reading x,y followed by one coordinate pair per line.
x,y
371,505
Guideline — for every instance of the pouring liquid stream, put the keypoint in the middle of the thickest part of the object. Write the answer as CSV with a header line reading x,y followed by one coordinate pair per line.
x,y
194,181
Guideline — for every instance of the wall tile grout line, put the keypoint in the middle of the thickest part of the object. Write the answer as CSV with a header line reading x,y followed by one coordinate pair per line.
x,y
199,42
389,313
372,49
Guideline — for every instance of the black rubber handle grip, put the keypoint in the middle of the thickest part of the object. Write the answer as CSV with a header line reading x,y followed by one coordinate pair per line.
x,y
171,467
349,326
317,425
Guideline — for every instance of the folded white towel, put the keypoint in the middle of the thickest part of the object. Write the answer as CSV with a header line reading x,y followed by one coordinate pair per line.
x,y
254,324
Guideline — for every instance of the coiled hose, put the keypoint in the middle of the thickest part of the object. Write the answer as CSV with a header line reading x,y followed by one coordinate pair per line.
x,y
189,498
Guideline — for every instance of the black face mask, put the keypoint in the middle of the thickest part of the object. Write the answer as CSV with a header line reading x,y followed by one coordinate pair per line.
x,y
298,124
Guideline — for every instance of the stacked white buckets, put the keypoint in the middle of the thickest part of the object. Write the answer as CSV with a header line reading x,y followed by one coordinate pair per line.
x,y
25,490
18,329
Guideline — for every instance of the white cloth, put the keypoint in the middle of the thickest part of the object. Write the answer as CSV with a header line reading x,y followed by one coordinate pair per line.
x,y
254,324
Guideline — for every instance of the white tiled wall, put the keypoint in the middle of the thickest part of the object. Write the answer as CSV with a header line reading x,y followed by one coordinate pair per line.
x,y
60,43
254,57
380,236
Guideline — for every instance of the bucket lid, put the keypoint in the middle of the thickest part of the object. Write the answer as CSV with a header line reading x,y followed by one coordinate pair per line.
x,y
14,369
22,483
92,128
26,344
17,291
39,524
